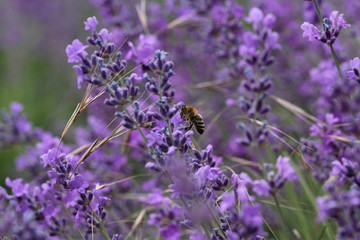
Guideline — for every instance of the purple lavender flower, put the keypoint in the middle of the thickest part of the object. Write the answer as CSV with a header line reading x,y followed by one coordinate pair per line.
x,y
15,127
343,207
91,23
332,28
142,53
310,31
354,73
76,51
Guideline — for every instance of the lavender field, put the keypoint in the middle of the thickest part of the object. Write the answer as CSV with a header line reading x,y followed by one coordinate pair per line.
x,y
179,119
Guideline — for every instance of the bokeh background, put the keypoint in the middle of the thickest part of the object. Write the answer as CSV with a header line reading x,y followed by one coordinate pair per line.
x,y
33,63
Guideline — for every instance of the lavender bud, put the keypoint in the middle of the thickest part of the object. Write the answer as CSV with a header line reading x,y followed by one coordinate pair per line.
x,y
85,69
166,87
128,125
116,68
259,105
176,141
216,187
124,93
172,112
356,71
95,81
197,154
163,147
265,110
136,105
243,142
152,166
152,66
136,91
261,139
98,42
159,64
101,61
183,140
225,181
110,48
118,56
168,65
90,196
247,86
117,92
170,74
87,79
111,101
103,215
132,91
86,62
157,116
140,117
168,140
163,111
104,73
185,148
91,41
110,68
163,82
152,88
128,119
68,169
119,114
269,61
208,193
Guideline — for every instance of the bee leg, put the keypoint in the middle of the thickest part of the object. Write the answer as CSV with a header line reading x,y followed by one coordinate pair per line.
x,y
189,127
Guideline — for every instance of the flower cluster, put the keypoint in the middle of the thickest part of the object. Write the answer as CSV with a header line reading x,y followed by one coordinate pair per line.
x,y
331,28
95,70
15,127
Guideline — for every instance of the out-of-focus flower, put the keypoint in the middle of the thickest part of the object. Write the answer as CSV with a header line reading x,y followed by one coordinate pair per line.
x,y
331,28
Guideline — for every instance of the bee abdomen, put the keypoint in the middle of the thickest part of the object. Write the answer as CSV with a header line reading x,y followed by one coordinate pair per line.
x,y
199,123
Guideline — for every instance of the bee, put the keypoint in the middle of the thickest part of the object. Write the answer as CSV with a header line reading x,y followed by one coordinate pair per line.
x,y
190,115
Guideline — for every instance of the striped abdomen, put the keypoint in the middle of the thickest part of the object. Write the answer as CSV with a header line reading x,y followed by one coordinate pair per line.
x,y
198,122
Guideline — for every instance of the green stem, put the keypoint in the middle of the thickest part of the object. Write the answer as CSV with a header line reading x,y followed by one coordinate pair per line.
x,y
256,148
169,129
119,222
336,61
67,236
109,89
318,11
137,126
206,231
102,228
215,220
282,216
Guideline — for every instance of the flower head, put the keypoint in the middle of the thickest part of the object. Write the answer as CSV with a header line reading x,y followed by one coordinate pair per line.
x,y
338,21
310,31
76,51
354,73
91,23
285,169
331,29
